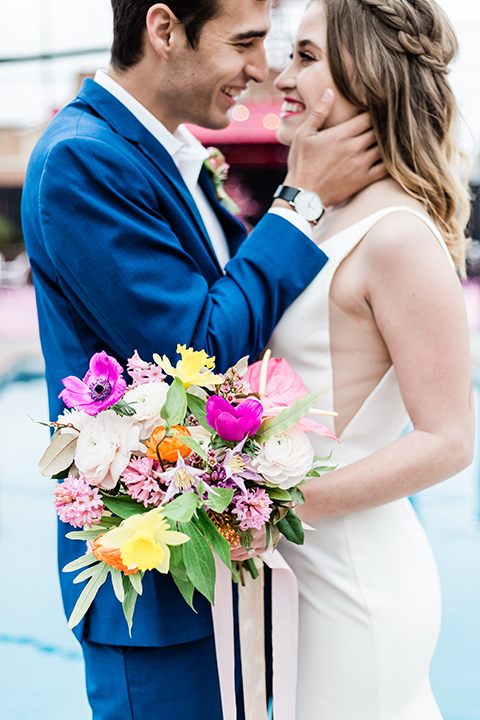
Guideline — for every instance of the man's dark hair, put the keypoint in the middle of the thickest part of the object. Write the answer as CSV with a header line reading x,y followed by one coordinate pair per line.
x,y
129,18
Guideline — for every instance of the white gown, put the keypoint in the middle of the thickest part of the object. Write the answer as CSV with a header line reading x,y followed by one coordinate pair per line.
x,y
369,589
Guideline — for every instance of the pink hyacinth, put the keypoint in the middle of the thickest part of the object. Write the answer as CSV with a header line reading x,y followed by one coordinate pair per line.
x,y
77,503
143,372
254,509
102,386
140,481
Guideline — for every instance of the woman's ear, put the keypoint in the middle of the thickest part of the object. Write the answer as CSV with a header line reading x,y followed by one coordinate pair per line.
x,y
161,25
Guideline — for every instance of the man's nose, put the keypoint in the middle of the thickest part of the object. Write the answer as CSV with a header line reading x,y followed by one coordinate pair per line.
x,y
257,68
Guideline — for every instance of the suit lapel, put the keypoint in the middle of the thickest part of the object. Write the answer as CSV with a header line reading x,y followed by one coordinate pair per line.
x,y
125,124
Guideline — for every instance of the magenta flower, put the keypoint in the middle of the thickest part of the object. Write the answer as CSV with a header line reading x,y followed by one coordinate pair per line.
x,y
77,503
102,386
254,509
234,423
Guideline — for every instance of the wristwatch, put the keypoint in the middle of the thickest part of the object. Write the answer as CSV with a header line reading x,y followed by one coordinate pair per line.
x,y
305,202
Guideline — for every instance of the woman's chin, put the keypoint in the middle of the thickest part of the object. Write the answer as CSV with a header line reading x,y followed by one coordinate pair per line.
x,y
284,136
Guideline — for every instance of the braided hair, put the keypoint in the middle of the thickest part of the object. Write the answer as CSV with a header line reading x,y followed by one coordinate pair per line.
x,y
391,57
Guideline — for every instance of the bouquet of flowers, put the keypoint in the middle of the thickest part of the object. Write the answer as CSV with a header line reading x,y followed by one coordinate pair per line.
x,y
158,475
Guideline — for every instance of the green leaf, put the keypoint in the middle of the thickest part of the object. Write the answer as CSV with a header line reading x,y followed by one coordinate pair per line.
x,y
80,562
182,508
117,584
83,535
122,408
221,500
246,537
85,574
268,533
199,561
193,445
291,527
277,493
59,454
275,535
197,407
323,469
175,406
136,580
297,496
88,595
129,601
109,521
217,541
179,575
288,417
123,505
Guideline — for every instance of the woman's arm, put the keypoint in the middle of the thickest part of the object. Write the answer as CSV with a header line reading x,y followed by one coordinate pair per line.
x,y
418,306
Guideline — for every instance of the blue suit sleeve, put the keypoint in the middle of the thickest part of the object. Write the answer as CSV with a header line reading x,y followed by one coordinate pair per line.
x,y
137,283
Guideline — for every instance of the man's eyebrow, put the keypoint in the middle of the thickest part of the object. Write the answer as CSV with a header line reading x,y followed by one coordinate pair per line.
x,y
249,35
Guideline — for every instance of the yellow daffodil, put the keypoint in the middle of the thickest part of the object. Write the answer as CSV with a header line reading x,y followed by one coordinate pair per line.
x,y
143,541
192,369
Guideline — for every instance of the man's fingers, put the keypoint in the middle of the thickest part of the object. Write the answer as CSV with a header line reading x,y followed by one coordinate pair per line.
x,y
377,172
316,118
357,125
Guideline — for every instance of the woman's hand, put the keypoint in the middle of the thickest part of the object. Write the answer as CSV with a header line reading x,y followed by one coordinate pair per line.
x,y
238,554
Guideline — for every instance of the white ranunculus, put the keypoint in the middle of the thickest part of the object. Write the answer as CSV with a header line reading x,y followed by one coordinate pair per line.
x,y
77,418
285,459
104,448
147,400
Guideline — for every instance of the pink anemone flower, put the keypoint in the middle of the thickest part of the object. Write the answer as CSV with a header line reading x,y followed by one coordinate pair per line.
x,y
102,386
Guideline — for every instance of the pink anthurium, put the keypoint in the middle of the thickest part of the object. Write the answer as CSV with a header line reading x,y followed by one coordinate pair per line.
x,y
279,386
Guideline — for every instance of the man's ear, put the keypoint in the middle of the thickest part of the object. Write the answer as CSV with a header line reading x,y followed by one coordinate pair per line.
x,y
162,26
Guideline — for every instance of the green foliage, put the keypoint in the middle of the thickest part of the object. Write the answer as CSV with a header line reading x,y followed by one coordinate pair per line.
x,y
175,406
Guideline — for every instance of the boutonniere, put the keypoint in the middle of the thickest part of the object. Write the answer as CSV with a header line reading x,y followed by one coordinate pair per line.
x,y
217,167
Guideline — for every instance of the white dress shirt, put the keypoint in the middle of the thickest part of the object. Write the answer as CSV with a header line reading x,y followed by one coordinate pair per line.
x,y
188,154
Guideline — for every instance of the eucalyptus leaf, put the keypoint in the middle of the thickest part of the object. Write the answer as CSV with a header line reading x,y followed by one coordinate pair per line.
x,y
179,575
217,541
175,406
182,508
80,562
199,561
221,500
83,534
288,417
291,527
117,584
85,574
123,505
128,604
59,454
197,407
88,595
193,445
109,521
136,580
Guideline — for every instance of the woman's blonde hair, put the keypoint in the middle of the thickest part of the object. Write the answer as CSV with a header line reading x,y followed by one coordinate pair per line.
x,y
399,51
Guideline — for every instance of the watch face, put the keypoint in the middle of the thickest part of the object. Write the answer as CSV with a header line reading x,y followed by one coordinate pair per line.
x,y
309,205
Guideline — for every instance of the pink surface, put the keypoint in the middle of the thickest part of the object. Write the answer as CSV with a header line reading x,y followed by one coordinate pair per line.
x,y
18,314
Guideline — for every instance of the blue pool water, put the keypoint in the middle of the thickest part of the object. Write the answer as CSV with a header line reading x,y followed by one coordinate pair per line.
x,y
41,672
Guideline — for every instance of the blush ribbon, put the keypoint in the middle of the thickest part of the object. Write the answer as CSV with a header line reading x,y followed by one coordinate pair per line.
x,y
251,622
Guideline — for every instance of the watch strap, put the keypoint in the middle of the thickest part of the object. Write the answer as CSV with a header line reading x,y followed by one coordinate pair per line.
x,y
285,192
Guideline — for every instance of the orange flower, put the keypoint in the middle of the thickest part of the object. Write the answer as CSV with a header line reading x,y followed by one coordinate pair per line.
x,y
168,446
110,556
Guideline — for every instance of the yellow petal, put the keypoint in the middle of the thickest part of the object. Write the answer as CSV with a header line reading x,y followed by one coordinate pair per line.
x,y
142,552
164,565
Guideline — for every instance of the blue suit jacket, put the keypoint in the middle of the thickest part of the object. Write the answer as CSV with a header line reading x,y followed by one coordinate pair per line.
x,y
122,261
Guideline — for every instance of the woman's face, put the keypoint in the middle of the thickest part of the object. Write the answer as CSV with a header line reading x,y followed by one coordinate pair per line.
x,y
307,77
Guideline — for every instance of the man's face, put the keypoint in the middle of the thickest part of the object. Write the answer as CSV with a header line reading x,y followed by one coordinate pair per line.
x,y
204,83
